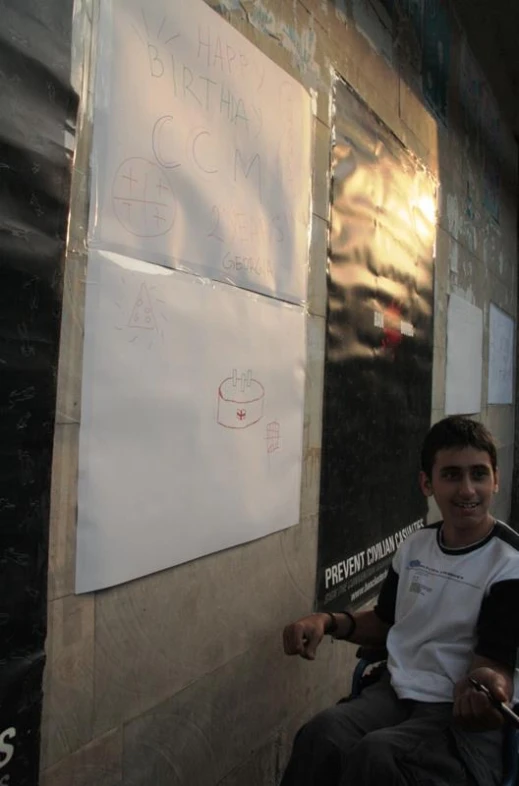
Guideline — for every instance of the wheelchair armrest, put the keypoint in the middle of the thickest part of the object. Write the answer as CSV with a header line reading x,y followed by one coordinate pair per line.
x,y
371,654
368,656
511,753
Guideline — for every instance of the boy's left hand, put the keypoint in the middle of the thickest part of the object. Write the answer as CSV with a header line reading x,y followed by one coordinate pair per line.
x,y
472,709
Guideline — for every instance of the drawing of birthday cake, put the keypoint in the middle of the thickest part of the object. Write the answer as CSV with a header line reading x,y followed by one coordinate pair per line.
x,y
240,401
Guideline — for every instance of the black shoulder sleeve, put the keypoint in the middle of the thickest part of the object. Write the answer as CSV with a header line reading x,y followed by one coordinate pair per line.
x,y
498,624
386,603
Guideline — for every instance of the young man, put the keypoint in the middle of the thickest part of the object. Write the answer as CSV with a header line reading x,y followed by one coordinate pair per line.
x,y
448,609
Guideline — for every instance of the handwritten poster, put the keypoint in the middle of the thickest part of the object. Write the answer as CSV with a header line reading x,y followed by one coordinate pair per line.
x,y
501,357
202,149
464,357
192,419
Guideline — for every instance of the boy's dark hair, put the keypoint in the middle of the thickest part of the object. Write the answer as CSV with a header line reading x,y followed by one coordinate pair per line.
x,y
457,432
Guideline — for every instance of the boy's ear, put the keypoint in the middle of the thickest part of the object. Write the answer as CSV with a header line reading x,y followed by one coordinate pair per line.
x,y
496,481
425,484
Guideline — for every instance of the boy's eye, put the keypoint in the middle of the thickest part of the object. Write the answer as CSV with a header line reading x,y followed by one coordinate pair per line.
x,y
450,474
479,473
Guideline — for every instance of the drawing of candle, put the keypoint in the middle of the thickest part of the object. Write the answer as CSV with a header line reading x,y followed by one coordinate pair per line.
x,y
273,436
240,401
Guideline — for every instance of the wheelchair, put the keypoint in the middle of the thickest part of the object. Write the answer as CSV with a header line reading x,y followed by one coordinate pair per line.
x,y
371,661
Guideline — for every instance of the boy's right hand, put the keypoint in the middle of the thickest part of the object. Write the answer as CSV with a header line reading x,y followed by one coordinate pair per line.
x,y
304,636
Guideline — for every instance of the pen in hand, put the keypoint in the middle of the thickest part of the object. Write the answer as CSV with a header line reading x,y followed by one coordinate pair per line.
x,y
503,708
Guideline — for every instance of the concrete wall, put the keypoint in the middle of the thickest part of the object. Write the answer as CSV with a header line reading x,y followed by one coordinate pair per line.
x,y
179,678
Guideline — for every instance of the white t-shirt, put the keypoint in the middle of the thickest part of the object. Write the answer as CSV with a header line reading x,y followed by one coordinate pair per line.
x,y
446,605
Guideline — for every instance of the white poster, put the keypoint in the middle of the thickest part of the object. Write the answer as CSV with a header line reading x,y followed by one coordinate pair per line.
x,y
192,419
202,149
464,357
501,357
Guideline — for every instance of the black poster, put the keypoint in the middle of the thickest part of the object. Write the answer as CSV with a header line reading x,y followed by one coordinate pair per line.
x,y
38,107
379,344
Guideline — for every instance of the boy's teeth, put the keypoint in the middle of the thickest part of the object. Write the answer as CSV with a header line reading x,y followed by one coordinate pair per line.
x,y
467,504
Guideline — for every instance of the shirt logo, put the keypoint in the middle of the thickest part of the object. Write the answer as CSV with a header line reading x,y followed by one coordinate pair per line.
x,y
418,588
424,571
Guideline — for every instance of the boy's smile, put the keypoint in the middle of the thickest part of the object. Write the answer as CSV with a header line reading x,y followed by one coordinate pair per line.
x,y
462,483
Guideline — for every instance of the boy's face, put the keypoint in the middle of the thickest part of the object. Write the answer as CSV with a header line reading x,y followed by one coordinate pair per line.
x,y
462,484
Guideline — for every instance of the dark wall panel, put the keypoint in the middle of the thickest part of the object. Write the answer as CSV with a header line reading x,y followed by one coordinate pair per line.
x,y
38,106
378,372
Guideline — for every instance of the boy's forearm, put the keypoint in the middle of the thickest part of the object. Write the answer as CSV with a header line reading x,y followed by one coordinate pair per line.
x,y
369,630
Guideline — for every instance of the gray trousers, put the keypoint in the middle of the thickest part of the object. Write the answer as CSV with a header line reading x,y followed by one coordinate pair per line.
x,y
378,739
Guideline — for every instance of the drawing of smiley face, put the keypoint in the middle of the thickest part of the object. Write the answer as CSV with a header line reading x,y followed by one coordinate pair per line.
x,y
142,198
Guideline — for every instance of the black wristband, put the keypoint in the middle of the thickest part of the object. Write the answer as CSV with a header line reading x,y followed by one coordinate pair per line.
x,y
353,623
332,627
334,624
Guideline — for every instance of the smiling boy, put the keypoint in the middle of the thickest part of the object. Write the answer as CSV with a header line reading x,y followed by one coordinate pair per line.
x,y
448,609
